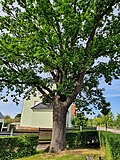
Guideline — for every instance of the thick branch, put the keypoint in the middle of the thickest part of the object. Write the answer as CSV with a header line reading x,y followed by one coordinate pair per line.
x,y
47,89
76,90
44,93
9,66
55,77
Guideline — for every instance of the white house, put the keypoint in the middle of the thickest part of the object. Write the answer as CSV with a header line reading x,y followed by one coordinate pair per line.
x,y
1,121
36,114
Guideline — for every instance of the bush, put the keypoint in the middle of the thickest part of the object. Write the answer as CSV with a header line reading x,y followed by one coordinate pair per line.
x,y
82,139
111,143
19,146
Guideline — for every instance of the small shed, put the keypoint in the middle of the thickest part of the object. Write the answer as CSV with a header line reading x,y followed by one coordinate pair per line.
x,y
1,121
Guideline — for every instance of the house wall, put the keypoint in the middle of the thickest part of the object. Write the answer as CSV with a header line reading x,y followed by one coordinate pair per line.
x,y
39,118
26,116
70,115
1,121
42,118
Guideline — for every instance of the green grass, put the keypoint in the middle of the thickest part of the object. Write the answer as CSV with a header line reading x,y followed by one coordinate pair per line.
x,y
67,155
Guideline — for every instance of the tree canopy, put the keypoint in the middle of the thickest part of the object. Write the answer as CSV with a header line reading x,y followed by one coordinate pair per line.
x,y
63,38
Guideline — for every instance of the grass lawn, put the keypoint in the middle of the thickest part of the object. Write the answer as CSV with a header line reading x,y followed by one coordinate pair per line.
x,y
79,154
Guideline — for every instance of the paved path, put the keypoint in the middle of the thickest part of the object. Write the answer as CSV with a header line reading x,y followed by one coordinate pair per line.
x,y
42,146
111,130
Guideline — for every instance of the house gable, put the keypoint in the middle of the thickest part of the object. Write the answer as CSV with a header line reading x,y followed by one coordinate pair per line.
x,y
38,115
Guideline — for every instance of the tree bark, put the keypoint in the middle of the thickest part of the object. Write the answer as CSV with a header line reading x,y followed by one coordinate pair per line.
x,y
59,128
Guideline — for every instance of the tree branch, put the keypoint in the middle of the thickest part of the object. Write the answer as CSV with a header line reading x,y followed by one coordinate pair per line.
x,y
75,6
47,89
55,77
76,90
9,66
74,37
97,19
44,93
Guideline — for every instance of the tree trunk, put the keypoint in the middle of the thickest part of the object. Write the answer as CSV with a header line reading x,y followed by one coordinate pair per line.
x,y
59,128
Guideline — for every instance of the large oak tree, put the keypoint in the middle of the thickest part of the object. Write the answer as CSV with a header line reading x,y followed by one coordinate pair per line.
x,y
63,38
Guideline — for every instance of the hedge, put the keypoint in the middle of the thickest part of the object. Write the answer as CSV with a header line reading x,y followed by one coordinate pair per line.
x,y
95,139
17,146
82,139
111,143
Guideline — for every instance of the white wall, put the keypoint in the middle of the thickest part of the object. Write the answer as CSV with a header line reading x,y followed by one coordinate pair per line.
x,y
38,117
42,118
26,116
2,120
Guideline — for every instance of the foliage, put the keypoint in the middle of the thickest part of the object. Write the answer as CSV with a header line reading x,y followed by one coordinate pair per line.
x,y
7,119
19,146
105,110
63,39
98,121
84,139
111,143
117,121
18,115
79,120
90,122
17,118
109,119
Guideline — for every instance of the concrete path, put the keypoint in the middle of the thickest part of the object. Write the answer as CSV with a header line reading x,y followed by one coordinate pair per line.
x,y
110,130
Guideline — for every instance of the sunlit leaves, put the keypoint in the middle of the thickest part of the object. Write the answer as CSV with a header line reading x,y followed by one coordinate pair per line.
x,y
63,38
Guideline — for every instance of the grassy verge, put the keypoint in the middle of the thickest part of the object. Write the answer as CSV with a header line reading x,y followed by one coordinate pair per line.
x,y
79,154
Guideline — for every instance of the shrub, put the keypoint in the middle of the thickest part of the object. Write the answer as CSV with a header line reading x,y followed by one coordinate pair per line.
x,y
82,139
111,143
19,146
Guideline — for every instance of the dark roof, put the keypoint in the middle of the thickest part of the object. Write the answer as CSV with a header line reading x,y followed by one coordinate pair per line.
x,y
29,90
42,106
1,115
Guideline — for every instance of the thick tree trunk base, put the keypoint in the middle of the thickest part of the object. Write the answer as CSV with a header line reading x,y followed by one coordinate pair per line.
x,y
59,129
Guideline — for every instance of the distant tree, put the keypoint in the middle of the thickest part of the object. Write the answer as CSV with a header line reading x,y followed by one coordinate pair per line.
x,y
79,120
110,119
8,119
98,121
104,120
105,110
18,115
117,121
90,122
17,118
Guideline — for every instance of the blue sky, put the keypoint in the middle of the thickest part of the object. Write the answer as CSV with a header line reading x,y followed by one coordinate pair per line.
x,y
112,94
